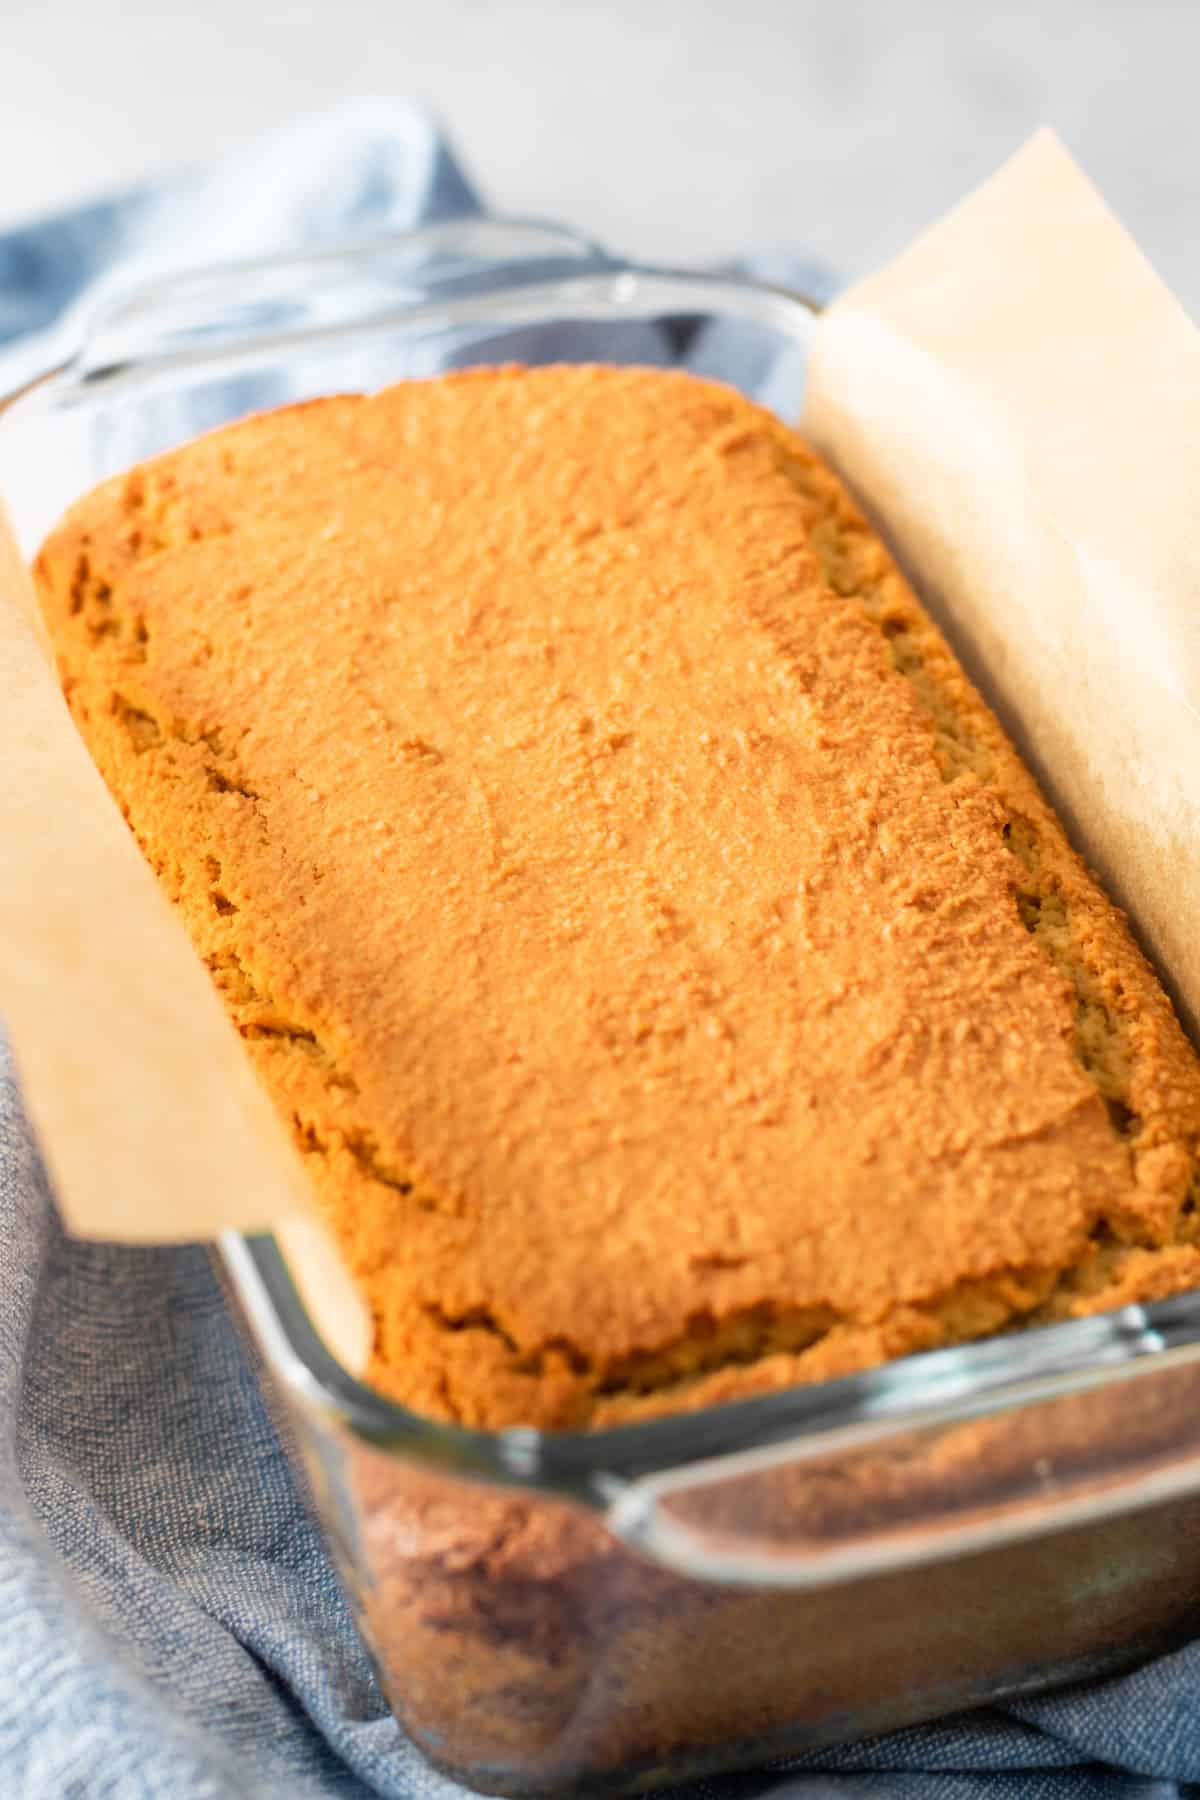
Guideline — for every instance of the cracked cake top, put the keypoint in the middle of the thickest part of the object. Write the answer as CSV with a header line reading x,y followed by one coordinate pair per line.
x,y
674,980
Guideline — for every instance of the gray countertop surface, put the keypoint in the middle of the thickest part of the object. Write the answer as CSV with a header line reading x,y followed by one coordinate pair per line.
x,y
683,129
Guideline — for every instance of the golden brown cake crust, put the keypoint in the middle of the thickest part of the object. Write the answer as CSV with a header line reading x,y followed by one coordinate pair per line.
x,y
677,984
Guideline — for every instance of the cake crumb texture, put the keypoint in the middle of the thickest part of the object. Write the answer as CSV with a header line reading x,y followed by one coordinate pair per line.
x,y
673,979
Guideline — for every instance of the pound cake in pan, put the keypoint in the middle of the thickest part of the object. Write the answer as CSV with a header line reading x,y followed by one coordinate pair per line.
x,y
676,984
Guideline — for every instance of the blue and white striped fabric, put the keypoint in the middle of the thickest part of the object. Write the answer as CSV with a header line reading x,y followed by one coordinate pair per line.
x,y
170,1627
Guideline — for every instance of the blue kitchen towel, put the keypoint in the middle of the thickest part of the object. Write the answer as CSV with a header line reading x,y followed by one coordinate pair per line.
x,y
170,1626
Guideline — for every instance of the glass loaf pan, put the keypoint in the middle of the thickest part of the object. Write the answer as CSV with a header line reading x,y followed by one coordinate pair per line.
x,y
609,1611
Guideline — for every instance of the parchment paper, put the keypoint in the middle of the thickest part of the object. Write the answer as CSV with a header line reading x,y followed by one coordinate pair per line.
x,y
151,1122
1016,400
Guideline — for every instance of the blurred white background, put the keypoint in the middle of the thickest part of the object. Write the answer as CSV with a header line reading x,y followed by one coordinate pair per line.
x,y
679,128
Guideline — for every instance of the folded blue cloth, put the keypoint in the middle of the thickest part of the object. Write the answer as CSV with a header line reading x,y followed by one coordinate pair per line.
x,y
170,1626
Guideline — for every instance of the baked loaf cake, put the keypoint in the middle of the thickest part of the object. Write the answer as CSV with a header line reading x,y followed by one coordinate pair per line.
x,y
674,980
